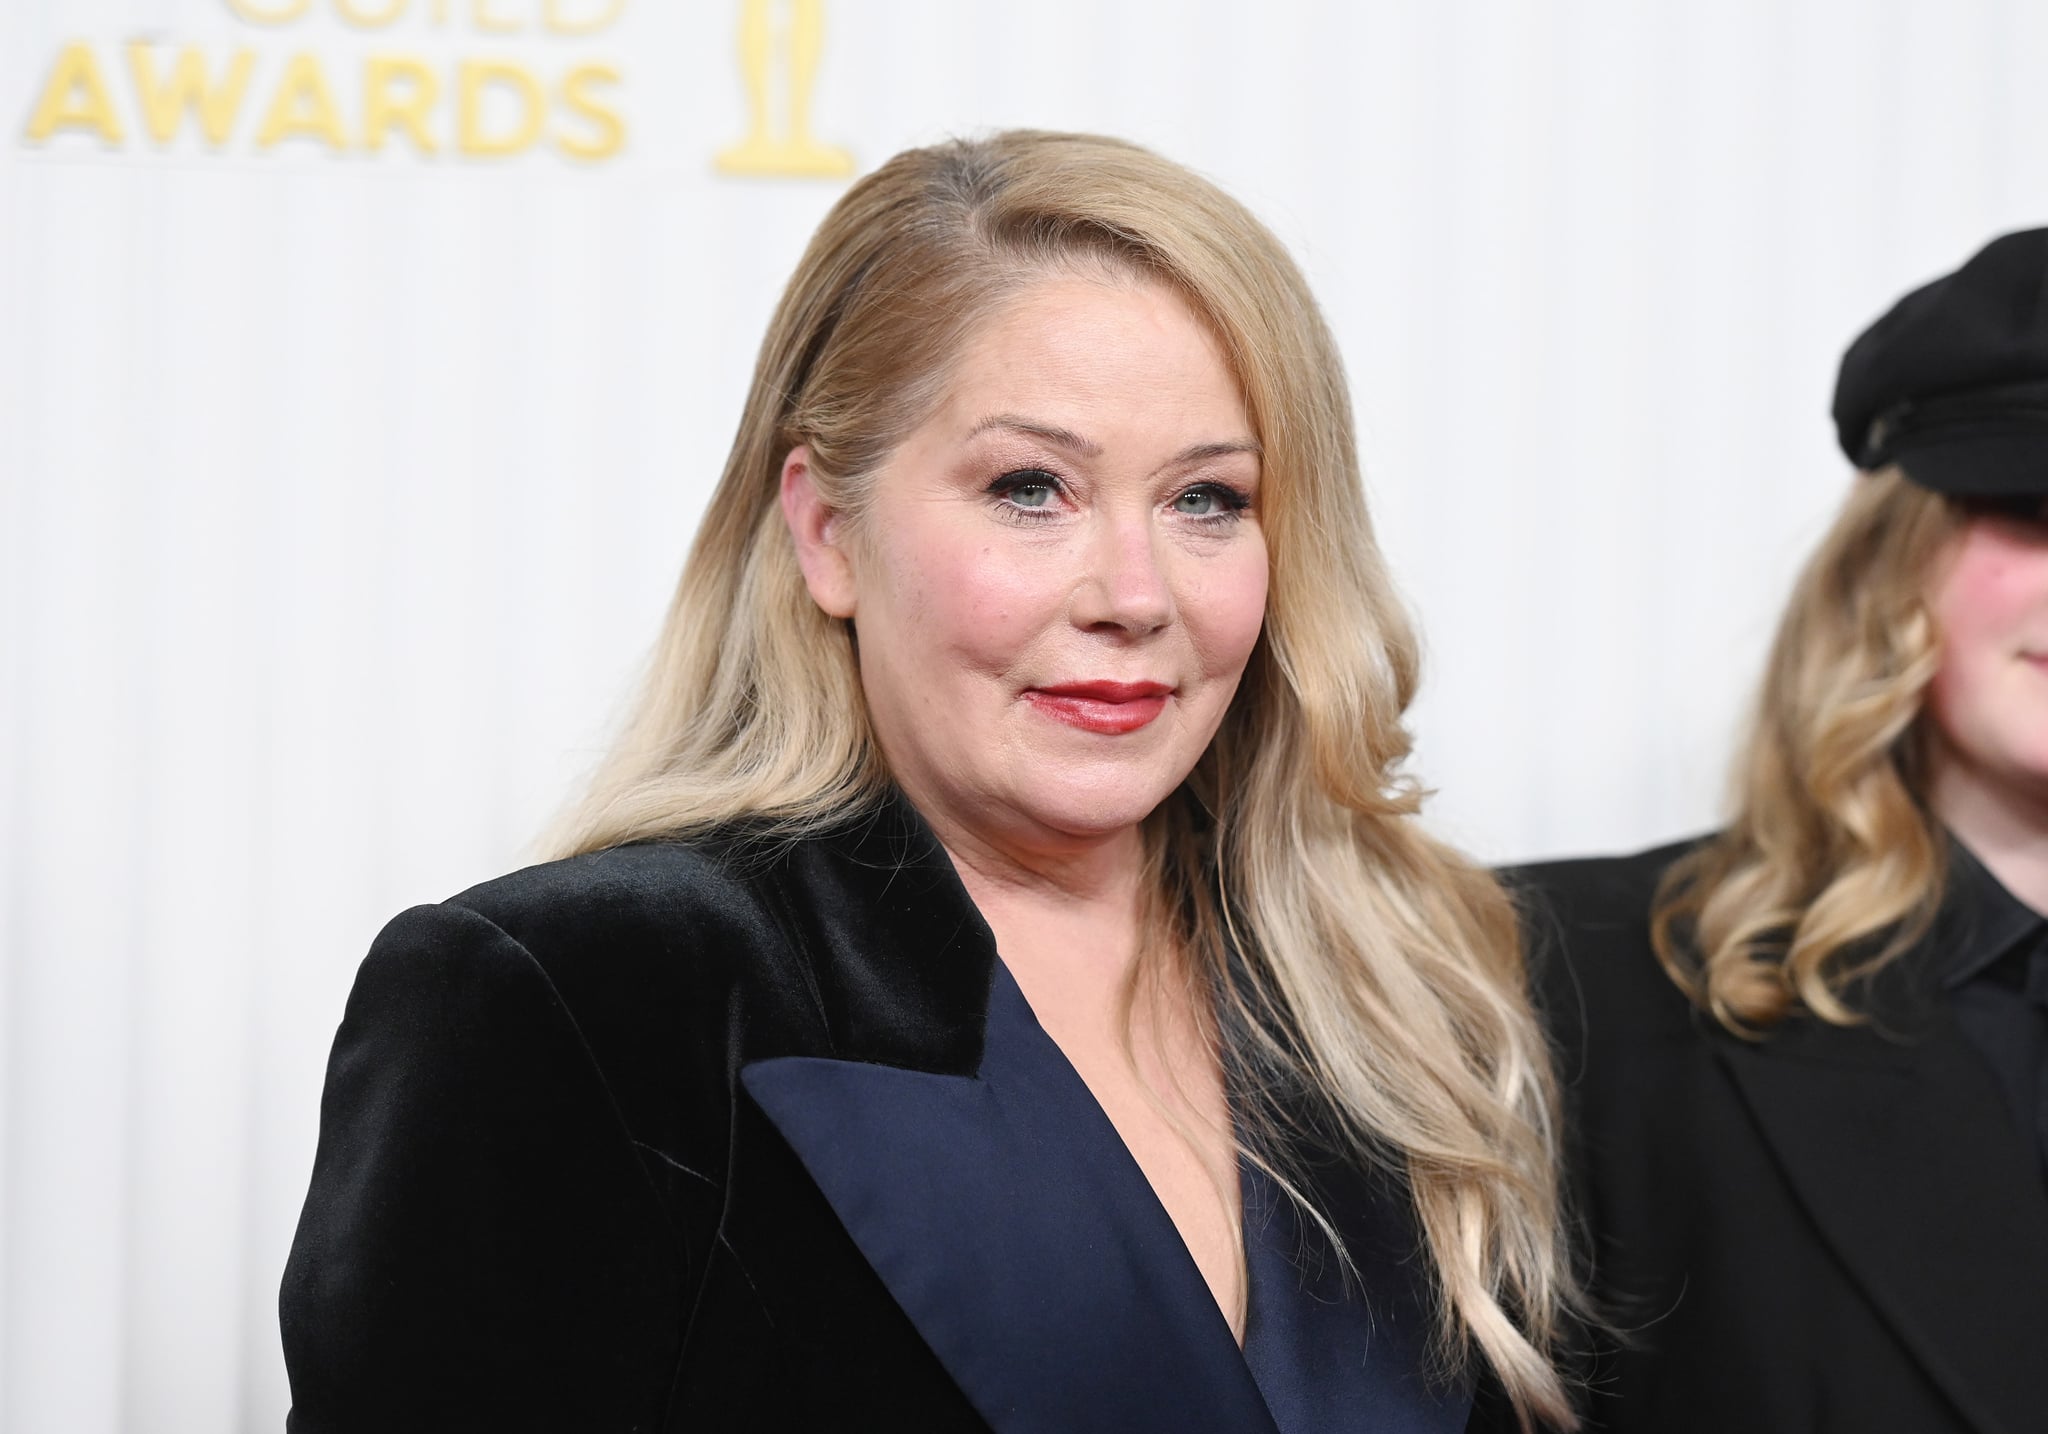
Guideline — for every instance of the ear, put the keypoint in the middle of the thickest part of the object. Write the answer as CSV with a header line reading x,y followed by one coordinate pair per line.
x,y
816,528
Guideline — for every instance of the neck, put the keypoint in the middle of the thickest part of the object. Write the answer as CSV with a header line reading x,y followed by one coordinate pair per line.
x,y
1096,873
2004,824
1097,881
1064,909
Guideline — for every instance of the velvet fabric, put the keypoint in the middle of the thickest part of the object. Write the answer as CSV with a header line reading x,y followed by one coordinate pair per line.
x,y
737,1135
1832,1230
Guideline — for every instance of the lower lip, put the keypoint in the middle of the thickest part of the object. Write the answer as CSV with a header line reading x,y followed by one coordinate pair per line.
x,y
1093,714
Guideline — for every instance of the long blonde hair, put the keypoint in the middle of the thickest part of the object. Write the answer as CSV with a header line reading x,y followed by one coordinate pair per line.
x,y
1371,967
1832,864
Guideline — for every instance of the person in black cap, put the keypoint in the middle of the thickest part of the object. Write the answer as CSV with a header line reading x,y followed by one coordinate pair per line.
x,y
1807,1056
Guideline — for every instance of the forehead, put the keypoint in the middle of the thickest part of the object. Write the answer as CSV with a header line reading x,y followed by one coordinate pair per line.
x,y
1121,349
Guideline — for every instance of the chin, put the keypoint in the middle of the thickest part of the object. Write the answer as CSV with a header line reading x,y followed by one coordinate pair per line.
x,y
1084,808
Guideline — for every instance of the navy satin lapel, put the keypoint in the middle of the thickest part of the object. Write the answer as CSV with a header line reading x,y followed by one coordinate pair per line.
x,y
1008,1220
1327,1358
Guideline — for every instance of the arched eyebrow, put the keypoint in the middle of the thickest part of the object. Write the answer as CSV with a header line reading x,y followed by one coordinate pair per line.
x,y
1074,443
1202,452
1052,433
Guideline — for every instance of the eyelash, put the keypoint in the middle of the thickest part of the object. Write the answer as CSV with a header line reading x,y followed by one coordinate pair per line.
x,y
1233,501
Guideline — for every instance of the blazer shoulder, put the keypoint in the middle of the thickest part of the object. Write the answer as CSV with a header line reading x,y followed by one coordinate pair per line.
x,y
644,948
517,1174
657,898
1597,891
1587,924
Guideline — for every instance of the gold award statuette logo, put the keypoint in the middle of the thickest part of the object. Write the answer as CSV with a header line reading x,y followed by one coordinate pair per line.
x,y
793,151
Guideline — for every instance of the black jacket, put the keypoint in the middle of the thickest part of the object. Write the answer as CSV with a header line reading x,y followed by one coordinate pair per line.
x,y
690,1136
1831,1229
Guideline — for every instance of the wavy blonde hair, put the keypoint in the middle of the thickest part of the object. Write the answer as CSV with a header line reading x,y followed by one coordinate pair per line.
x,y
1832,865
1353,958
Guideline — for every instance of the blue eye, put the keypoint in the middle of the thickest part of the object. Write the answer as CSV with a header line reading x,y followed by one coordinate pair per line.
x,y
1028,488
1208,500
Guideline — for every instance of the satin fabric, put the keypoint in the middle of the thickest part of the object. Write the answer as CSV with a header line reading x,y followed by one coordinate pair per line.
x,y
970,1199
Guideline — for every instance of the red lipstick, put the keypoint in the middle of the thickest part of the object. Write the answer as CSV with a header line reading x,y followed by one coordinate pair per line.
x,y
1112,708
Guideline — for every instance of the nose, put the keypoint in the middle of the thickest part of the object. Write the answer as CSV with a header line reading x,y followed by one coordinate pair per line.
x,y
1124,583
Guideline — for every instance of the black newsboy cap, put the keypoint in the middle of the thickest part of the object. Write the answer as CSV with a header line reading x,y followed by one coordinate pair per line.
x,y
1952,383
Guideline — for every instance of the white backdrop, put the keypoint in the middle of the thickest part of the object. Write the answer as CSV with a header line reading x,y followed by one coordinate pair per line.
x,y
340,490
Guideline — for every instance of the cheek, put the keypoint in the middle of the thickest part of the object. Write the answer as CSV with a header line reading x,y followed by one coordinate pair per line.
x,y
1978,597
1950,699
1226,610
967,607
1995,587
1962,609
1991,603
1983,606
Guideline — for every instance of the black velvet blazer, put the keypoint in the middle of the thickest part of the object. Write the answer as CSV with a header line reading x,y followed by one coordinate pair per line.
x,y
691,1136
1832,1229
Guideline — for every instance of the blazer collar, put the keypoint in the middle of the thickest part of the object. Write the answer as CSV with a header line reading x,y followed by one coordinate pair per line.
x,y
1899,1146
1056,1292
986,1187
900,956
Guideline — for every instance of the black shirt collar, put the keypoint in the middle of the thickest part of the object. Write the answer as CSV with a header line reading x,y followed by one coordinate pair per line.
x,y
1980,920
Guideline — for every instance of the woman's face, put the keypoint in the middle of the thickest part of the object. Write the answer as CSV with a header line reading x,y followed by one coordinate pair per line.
x,y
1989,699
1061,574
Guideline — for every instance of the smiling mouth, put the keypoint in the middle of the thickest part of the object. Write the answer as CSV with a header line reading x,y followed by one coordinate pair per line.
x,y
1112,708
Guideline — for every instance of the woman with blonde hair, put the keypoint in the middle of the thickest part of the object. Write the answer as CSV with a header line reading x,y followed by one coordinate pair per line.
x,y
997,981
1807,1057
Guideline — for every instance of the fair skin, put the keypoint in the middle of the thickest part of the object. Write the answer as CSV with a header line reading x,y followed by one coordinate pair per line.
x,y
1988,703
1056,585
